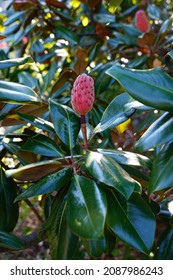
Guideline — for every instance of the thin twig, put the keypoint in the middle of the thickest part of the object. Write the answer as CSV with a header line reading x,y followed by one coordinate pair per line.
x,y
166,194
28,202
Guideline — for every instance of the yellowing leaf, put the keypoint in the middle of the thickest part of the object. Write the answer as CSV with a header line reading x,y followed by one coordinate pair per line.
x,y
85,20
123,126
75,3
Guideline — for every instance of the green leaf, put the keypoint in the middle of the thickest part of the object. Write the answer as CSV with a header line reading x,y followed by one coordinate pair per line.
x,y
17,94
61,240
104,18
165,246
15,16
161,175
86,208
108,171
66,123
133,104
48,184
37,46
10,241
15,62
28,80
153,11
132,221
35,171
5,110
160,132
170,54
8,209
37,122
42,145
67,34
165,28
95,248
47,79
168,59
114,114
152,87
127,158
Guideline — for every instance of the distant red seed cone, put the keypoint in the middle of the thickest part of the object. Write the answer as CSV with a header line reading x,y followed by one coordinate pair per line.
x,y
141,21
83,94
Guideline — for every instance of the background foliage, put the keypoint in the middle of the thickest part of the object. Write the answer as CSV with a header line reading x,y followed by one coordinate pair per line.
x,y
120,188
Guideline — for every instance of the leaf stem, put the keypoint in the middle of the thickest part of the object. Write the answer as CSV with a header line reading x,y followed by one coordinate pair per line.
x,y
84,131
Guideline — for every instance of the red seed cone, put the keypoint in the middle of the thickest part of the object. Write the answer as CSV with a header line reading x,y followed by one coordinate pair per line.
x,y
141,21
83,94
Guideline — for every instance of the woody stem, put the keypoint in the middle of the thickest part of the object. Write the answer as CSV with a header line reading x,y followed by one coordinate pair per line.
x,y
84,130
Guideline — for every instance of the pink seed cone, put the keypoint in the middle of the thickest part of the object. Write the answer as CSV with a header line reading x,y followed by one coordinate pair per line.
x,y
83,94
141,21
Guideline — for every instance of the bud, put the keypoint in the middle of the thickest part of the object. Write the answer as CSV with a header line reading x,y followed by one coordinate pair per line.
x,y
83,94
141,21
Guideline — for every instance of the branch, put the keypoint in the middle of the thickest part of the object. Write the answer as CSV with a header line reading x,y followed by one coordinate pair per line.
x,y
28,202
166,194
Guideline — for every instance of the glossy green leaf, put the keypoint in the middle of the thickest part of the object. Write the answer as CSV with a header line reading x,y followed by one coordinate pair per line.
x,y
18,36
86,208
152,87
130,106
161,175
42,145
8,209
10,241
11,29
153,11
37,122
37,46
114,114
165,246
169,58
15,62
15,16
35,171
132,221
126,158
108,171
170,54
104,18
137,62
165,27
6,110
68,34
66,123
49,76
28,80
160,132
95,248
17,94
48,184
62,241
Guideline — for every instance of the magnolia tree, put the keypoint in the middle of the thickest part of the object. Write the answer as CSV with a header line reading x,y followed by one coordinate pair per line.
x,y
86,97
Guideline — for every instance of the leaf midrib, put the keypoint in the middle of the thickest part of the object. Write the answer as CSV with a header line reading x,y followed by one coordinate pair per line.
x,y
142,81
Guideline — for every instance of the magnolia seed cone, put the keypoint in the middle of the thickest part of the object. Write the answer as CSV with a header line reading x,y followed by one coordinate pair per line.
x,y
83,94
141,21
